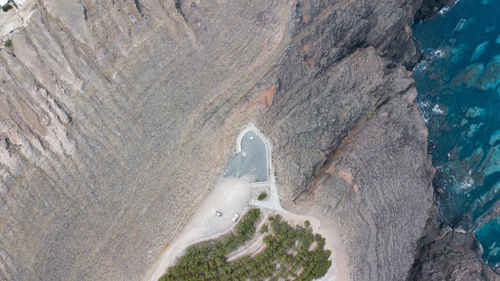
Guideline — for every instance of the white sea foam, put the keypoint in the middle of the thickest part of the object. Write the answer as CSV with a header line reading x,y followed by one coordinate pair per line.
x,y
421,66
426,118
424,106
444,10
432,55
493,250
437,109
467,183
438,53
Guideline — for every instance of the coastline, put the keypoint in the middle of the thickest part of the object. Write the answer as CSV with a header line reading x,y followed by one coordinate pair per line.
x,y
448,249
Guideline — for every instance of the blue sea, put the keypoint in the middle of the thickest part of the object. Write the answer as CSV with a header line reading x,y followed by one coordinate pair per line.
x,y
459,97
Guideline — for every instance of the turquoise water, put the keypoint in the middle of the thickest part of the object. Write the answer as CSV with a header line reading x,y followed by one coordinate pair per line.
x,y
459,97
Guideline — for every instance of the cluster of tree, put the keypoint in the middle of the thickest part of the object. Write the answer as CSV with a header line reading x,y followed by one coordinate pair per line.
x,y
203,261
291,253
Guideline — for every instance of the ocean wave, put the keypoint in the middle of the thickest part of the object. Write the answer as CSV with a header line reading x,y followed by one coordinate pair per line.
x,y
423,107
431,55
421,66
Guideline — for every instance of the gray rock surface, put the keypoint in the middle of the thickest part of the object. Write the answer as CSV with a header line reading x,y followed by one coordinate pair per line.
x,y
448,253
376,191
117,117
323,92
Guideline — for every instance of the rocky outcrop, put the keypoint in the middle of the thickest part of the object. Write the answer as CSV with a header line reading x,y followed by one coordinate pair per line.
x,y
324,89
450,254
117,116
367,188
430,8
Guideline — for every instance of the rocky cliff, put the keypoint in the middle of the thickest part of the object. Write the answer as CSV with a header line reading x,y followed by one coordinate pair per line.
x,y
448,253
117,117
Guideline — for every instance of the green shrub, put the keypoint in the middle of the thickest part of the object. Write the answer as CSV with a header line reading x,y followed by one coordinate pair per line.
x,y
6,7
8,43
262,196
307,224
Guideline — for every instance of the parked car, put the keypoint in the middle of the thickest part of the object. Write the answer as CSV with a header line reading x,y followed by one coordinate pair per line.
x,y
218,213
235,217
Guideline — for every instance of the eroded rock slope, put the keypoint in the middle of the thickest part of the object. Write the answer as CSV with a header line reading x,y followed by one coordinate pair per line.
x,y
117,116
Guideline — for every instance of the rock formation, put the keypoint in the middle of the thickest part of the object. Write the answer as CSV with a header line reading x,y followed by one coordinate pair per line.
x,y
448,253
117,117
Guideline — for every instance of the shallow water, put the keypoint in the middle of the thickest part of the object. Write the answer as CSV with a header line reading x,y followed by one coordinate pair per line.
x,y
250,161
459,97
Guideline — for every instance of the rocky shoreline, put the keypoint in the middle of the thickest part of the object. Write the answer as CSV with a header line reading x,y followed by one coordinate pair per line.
x,y
448,252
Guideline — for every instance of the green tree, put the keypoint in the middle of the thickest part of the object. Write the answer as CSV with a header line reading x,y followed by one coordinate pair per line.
x,y
6,7
262,196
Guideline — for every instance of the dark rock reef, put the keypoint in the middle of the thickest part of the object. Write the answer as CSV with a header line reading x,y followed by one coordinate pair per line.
x,y
117,117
